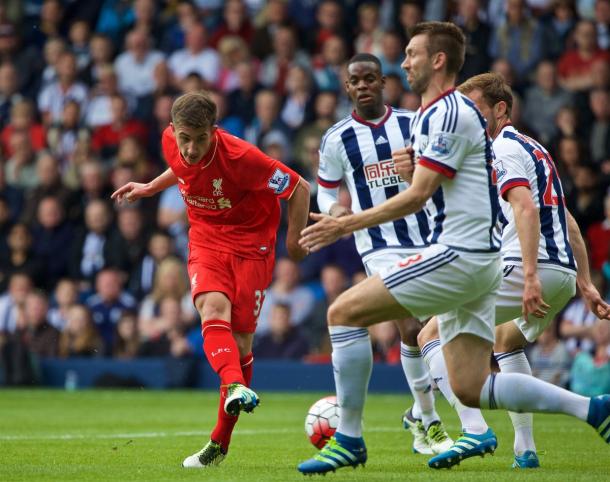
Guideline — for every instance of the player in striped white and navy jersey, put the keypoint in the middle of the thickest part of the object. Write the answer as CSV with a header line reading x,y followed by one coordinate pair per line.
x,y
541,245
456,277
358,150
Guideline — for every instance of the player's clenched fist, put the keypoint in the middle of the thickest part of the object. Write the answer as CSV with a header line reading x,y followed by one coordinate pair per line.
x,y
404,162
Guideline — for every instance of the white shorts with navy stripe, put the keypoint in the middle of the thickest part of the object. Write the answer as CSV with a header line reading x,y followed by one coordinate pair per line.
x,y
457,286
558,287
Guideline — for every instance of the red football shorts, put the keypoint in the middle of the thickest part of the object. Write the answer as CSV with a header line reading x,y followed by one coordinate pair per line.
x,y
244,281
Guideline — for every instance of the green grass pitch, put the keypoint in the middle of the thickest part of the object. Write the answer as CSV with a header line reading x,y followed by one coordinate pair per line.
x,y
144,435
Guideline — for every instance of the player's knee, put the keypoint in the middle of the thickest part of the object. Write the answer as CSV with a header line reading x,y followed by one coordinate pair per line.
x,y
426,335
409,332
336,314
508,340
467,390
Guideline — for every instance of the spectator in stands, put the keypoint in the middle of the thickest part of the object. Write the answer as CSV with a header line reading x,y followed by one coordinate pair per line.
x,y
286,53
298,105
550,359
370,35
126,339
559,27
328,64
131,154
590,375
234,22
157,123
241,100
267,108
93,182
576,327
41,338
79,337
19,257
12,195
5,225
478,35
230,123
101,54
141,279
20,169
22,119
392,93
334,282
598,238
574,66
53,49
169,339
543,101
79,35
9,92
99,109
135,67
108,303
145,16
391,57
273,15
324,112
283,339
25,57
233,50
49,26
186,15
197,57
599,142
52,99
519,39
12,302
65,297
53,236
171,281
410,13
50,184
287,290
171,217
602,23
129,238
92,246
587,201
114,18
64,135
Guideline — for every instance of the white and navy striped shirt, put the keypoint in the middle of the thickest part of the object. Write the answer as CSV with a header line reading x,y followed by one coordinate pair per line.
x,y
361,153
449,136
521,161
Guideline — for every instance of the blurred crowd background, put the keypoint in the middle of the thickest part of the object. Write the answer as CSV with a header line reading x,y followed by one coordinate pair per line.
x,y
86,90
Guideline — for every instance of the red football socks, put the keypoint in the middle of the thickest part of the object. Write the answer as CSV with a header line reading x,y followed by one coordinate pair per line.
x,y
221,351
225,423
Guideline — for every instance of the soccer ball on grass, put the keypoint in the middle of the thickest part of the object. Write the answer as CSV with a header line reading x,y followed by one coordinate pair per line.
x,y
322,420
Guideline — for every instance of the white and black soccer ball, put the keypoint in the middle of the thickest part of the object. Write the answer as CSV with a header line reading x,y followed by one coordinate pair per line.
x,y
322,420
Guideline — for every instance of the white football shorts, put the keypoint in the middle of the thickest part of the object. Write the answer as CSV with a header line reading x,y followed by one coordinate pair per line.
x,y
558,287
460,287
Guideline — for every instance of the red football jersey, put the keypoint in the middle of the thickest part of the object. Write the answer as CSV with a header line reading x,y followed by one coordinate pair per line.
x,y
232,195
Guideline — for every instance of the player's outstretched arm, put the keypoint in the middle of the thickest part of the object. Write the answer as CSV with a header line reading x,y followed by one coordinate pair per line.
x,y
589,292
132,191
527,222
329,229
298,208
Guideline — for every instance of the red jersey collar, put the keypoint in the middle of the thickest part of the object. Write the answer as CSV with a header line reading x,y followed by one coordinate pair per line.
x,y
208,156
434,101
385,117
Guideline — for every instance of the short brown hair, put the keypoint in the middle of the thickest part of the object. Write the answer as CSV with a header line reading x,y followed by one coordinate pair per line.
x,y
493,87
444,37
195,109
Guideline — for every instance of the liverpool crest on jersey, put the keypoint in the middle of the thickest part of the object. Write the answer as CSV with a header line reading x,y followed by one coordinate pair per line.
x,y
217,184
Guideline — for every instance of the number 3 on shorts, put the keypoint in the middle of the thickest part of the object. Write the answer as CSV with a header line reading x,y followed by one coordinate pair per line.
x,y
259,298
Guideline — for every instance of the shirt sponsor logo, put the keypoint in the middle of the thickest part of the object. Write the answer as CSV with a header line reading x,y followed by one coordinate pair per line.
x,y
381,174
441,145
204,202
279,182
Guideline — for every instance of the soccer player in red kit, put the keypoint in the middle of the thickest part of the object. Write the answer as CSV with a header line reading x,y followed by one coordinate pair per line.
x,y
232,192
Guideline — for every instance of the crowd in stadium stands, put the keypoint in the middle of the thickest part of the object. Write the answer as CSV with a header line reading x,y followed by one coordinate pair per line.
x,y
86,90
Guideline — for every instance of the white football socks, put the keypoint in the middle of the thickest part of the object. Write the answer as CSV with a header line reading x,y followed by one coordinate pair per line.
x,y
523,393
471,418
523,423
420,384
352,365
